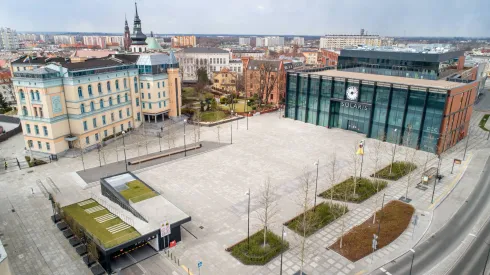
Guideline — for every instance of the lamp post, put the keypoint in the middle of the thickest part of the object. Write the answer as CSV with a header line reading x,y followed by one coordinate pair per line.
x,y
437,177
248,223
249,115
282,249
185,148
413,257
486,261
124,148
394,151
160,138
316,183
466,146
231,129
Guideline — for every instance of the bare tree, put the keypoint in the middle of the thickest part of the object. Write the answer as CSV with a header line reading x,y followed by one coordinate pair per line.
x,y
267,80
197,119
269,208
171,136
307,220
217,131
376,156
355,164
333,174
409,156
392,152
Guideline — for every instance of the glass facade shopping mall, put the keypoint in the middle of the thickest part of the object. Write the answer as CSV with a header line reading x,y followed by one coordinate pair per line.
x,y
404,113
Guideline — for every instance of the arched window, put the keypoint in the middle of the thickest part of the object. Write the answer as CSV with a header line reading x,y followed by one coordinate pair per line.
x,y
99,88
108,86
117,84
126,97
158,84
90,90
80,93
125,84
110,101
21,94
24,111
139,49
92,106
82,108
32,95
101,103
118,99
37,95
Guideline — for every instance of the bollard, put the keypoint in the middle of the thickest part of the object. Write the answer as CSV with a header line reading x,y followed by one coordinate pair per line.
x,y
178,262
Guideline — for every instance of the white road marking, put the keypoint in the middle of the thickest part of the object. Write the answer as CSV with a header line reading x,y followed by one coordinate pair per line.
x,y
382,269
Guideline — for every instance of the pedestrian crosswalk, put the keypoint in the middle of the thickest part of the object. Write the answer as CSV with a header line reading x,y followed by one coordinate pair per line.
x,y
118,228
94,209
86,202
106,217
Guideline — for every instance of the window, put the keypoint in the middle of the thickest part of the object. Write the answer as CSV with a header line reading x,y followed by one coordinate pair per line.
x,y
158,85
96,137
110,101
87,140
40,111
48,146
142,95
159,105
163,94
45,130
138,115
112,116
94,122
135,79
105,133
120,114
28,128
149,105
103,120
32,95
80,93
118,99
99,88
148,85
39,145
143,105
137,102
37,95
36,129
24,111
29,143
129,124
90,90
101,103
92,106
149,96
122,127
127,111
82,108
165,104
117,84
125,84
159,95
108,86
85,127
35,111
163,84
22,96
141,85
126,98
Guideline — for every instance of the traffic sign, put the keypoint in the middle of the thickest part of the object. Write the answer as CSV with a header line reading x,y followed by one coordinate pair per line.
x,y
165,229
199,264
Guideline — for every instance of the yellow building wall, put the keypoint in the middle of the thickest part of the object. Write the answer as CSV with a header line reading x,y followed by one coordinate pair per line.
x,y
174,90
154,90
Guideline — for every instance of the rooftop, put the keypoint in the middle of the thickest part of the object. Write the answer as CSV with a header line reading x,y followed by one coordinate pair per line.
x,y
248,51
255,64
96,63
395,53
204,50
92,53
410,48
25,59
154,59
441,84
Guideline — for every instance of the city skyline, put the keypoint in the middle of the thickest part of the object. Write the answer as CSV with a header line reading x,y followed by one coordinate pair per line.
x,y
382,17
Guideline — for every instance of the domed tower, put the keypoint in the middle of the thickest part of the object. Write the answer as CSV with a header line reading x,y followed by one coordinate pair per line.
x,y
138,38
127,35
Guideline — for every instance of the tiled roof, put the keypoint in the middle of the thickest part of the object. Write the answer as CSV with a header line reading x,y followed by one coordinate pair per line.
x,y
255,64
204,50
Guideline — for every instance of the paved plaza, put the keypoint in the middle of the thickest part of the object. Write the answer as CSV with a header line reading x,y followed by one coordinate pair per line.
x,y
211,187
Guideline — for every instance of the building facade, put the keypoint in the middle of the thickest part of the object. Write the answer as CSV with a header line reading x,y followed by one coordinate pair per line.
x,y
6,88
65,105
300,41
244,41
225,80
183,41
98,41
311,56
212,59
255,54
64,39
236,66
329,57
259,74
8,39
340,41
424,114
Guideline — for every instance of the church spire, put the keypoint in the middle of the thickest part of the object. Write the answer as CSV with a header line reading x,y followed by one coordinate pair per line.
x,y
136,7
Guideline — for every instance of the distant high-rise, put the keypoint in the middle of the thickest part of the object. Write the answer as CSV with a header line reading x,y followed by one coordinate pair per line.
x,y
362,32
300,41
64,39
98,41
8,39
244,41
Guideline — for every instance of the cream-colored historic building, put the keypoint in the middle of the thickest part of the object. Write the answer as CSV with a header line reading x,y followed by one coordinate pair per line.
x,y
66,104
225,80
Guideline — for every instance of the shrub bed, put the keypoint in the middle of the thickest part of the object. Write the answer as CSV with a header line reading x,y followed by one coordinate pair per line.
x,y
483,121
364,190
212,116
321,215
34,161
258,254
399,170
357,243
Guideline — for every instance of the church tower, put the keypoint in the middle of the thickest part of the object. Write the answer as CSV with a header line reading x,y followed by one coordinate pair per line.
x,y
127,35
138,38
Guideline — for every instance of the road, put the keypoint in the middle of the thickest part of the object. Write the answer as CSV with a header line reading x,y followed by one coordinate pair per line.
x,y
435,249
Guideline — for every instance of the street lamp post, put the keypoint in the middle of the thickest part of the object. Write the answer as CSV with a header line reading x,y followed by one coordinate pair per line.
x,y
437,177
248,223
486,261
160,138
413,257
231,129
394,151
185,148
466,146
282,249
316,182
124,148
249,115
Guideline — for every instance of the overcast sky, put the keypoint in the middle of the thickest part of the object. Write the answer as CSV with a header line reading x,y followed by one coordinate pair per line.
x,y
297,17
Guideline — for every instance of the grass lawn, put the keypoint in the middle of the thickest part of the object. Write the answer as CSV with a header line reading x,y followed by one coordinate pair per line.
x,y
258,254
400,169
212,116
364,190
356,244
239,107
483,121
99,230
324,214
137,191
189,92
